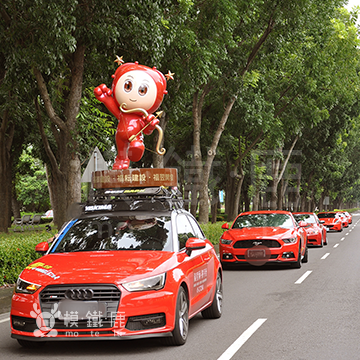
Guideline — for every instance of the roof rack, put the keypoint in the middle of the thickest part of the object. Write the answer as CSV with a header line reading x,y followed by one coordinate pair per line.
x,y
141,199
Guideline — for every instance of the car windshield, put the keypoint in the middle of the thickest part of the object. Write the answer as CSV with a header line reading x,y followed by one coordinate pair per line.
x,y
263,220
308,218
117,233
326,215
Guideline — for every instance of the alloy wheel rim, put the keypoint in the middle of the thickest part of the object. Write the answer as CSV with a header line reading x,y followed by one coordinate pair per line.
x,y
219,294
183,316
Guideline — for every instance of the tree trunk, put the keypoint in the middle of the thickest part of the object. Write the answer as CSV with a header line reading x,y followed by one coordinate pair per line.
x,y
6,138
63,170
159,160
277,177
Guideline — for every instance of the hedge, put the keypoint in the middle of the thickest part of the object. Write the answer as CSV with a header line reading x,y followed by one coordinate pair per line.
x,y
17,250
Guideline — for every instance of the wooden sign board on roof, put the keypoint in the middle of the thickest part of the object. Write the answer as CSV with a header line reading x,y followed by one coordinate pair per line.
x,y
134,178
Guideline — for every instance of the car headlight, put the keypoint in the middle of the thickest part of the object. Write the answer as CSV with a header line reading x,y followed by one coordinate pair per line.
x,y
225,242
290,241
151,283
25,287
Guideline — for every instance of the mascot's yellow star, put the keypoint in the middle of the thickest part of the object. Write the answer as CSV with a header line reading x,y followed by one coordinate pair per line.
x,y
119,60
170,75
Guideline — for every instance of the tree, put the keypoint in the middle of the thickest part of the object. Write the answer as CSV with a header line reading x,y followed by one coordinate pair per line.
x,y
62,48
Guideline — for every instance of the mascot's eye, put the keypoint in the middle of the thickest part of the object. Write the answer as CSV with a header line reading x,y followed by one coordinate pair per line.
x,y
128,86
143,89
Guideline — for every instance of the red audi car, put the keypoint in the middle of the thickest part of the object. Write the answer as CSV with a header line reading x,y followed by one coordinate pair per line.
x,y
122,269
315,230
332,220
259,237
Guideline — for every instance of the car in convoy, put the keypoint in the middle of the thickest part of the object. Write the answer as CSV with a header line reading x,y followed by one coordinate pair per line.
x,y
344,219
259,237
331,220
130,264
349,216
315,230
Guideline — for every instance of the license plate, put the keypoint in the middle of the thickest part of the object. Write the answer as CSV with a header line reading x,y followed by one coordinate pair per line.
x,y
256,254
83,309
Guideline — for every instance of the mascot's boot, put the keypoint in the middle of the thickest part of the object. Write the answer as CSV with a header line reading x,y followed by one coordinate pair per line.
x,y
136,150
121,163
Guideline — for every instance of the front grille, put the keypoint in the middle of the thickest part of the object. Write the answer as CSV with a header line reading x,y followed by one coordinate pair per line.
x,y
55,293
242,257
86,299
245,244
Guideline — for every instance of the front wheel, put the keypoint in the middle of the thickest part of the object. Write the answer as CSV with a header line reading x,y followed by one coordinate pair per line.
x,y
305,259
214,311
181,329
297,264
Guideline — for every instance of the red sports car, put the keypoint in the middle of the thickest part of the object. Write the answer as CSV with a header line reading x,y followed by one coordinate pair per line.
x,y
332,220
316,231
259,237
344,219
122,269
349,217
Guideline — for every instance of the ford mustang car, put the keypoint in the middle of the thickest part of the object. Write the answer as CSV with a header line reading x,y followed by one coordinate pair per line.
x,y
315,230
332,220
136,265
259,237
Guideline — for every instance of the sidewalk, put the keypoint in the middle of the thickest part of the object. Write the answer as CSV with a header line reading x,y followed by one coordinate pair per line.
x,y
5,299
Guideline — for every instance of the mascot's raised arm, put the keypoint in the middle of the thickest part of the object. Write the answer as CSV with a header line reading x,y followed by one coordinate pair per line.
x,y
137,91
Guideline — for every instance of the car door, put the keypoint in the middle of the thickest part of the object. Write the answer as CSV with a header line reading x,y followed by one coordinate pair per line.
x,y
194,266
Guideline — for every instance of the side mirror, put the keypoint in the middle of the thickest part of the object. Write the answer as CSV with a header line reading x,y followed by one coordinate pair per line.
x,y
42,247
194,244
303,224
225,226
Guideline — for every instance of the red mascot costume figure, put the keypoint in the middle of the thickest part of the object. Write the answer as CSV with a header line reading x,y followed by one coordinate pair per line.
x,y
137,91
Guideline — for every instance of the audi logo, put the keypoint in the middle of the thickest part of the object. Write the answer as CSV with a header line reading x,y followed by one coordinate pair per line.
x,y
79,294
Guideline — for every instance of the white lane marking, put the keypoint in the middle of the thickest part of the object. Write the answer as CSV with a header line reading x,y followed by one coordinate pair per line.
x,y
3,320
241,340
342,239
336,245
346,234
325,256
302,278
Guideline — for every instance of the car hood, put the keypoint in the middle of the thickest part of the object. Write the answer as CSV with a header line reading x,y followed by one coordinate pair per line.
x,y
259,233
98,267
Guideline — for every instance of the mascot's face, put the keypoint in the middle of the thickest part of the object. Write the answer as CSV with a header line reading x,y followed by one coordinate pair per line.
x,y
136,89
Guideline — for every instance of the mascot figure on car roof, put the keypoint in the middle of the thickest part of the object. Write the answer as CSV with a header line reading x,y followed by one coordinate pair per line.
x,y
136,92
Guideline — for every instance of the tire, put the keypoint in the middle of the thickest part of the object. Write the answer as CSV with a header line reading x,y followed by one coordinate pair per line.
x,y
31,344
305,259
322,242
225,266
214,311
325,241
181,329
297,264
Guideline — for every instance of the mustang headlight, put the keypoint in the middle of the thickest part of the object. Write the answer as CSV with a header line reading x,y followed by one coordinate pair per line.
x,y
290,241
151,283
25,287
225,242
